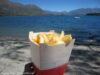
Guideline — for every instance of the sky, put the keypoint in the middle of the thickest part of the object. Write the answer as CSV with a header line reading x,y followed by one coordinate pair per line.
x,y
61,5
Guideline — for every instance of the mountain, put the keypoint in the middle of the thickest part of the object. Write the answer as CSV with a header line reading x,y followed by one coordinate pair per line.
x,y
84,11
8,8
57,12
77,12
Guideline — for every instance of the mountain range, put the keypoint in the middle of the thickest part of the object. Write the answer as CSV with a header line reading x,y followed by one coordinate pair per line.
x,y
84,11
8,8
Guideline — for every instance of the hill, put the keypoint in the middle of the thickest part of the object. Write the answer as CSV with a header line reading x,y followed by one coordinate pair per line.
x,y
84,11
8,8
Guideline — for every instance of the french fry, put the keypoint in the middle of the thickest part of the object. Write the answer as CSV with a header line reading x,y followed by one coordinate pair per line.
x,y
40,38
62,35
50,38
67,38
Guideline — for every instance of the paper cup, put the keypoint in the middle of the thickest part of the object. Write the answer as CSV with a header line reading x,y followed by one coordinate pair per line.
x,y
51,60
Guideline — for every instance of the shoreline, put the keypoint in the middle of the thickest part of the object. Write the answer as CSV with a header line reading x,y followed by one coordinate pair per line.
x,y
77,42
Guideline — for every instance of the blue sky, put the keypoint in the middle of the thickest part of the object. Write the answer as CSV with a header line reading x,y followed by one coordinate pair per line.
x,y
62,5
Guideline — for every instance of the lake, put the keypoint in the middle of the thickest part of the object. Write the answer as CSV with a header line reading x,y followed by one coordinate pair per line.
x,y
81,28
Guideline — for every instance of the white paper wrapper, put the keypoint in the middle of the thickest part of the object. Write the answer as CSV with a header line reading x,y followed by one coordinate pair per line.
x,y
47,57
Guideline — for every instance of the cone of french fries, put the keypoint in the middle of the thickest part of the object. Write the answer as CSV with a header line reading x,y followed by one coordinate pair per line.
x,y
50,52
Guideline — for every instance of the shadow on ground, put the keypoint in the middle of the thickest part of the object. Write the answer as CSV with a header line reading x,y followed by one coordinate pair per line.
x,y
84,62
16,51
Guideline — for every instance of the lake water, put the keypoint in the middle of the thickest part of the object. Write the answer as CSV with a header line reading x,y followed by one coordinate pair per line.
x,y
83,27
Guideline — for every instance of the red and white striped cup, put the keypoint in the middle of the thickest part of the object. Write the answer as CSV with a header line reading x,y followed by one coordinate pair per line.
x,y
51,60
